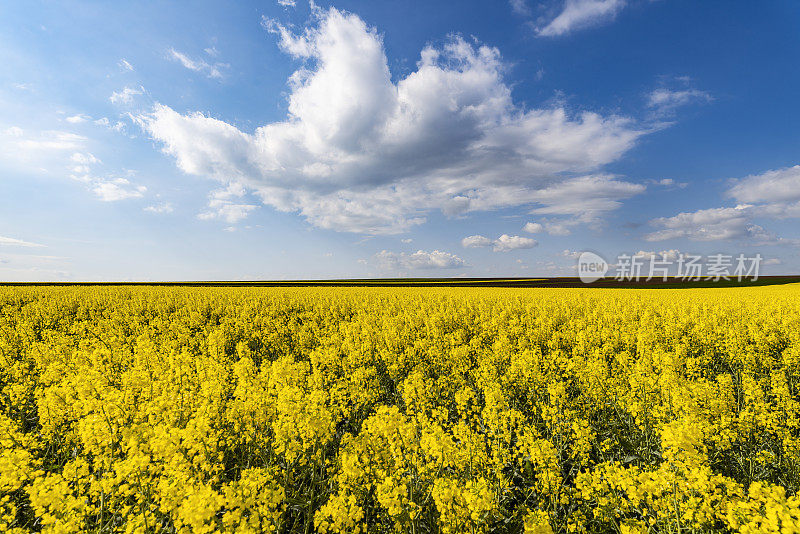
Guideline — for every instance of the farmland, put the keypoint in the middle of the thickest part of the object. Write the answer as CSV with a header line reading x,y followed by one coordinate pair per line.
x,y
399,409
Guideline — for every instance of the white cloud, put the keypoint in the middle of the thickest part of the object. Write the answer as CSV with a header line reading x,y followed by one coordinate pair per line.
x,y
578,14
586,196
198,65
504,243
775,193
107,189
117,189
406,241
669,182
164,207
52,140
360,153
126,95
552,228
533,227
41,151
84,159
708,225
124,65
558,229
287,3
222,205
418,260
476,241
520,7
665,101
669,255
118,126
772,194
11,242
773,261
77,119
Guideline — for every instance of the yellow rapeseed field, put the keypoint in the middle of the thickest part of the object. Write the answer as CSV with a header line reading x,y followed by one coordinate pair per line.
x,y
414,410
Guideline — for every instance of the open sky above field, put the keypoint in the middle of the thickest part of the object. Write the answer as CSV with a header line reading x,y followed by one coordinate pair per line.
x,y
282,139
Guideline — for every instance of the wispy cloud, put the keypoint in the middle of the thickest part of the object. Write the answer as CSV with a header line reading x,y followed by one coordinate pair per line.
x,y
665,101
579,14
126,95
164,207
223,205
118,189
198,65
520,7
77,119
106,188
11,242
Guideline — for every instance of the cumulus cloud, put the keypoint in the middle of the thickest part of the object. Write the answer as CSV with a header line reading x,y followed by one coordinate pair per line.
x,y
197,65
476,241
361,153
552,228
287,3
418,260
10,241
533,227
504,243
579,14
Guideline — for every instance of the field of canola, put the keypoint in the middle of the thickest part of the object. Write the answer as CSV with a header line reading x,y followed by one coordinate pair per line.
x,y
399,410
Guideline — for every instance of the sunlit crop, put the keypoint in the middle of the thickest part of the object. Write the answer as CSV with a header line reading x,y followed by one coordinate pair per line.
x,y
399,410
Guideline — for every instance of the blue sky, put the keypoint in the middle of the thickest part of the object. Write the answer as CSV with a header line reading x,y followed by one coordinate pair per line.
x,y
278,139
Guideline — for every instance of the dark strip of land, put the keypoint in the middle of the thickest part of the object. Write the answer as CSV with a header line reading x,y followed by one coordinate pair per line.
x,y
669,283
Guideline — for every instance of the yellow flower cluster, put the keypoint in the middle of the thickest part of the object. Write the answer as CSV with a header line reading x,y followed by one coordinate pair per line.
x,y
361,410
